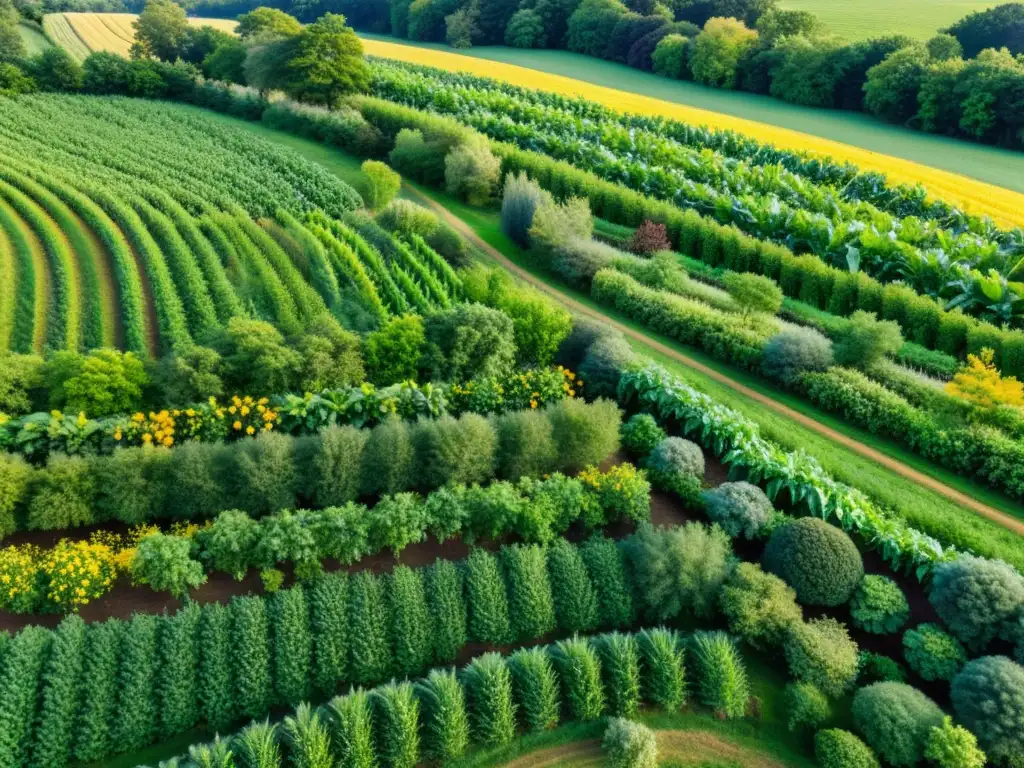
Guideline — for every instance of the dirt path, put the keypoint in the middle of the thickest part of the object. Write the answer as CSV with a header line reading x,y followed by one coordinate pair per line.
x,y
684,747
1006,521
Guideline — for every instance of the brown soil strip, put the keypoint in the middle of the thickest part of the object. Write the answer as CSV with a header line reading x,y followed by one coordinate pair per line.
x,y
1000,518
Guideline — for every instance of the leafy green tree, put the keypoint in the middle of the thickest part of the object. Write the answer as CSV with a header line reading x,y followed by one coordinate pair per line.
x,y
270,22
103,383
536,687
445,721
328,63
461,27
526,30
189,375
12,47
226,62
805,706
468,341
267,61
330,356
164,562
160,30
393,352
492,712
472,171
591,24
380,184
943,47
896,721
890,91
55,70
671,57
998,27
718,49
256,358
953,746
776,23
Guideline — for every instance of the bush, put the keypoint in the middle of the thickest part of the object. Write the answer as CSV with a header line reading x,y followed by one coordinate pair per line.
x,y
445,721
607,572
818,560
471,172
486,597
406,218
393,352
674,455
664,679
336,465
953,746
648,239
447,606
531,606
879,606
805,706
411,628
164,563
468,341
396,714
836,748
380,184
865,340
61,496
603,365
519,201
492,712
525,30
536,687
579,671
978,599
896,721
740,508
15,476
369,649
721,676
620,670
678,569
754,293
932,653
452,450
525,444
572,590
821,652
876,668
795,351
641,434
760,607
629,745
585,434
388,458
988,698
262,476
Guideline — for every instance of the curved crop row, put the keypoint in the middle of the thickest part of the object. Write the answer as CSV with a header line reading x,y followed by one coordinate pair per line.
x,y
435,263
371,258
413,292
428,282
22,279
347,263
317,266
62,321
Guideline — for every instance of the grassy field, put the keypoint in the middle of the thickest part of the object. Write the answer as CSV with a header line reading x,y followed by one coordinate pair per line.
x,y
982,179
60,31
34,39
862,20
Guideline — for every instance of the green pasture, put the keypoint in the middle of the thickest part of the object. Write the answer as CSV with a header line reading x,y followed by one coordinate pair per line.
x,y
34,39
915,18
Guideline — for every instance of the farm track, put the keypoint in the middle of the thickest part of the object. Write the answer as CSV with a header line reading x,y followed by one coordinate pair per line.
x,y
41,271
955,186
919,478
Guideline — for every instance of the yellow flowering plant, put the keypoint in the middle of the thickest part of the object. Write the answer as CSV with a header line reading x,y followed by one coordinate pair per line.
x,y
75,573
533,388
20,590
622,492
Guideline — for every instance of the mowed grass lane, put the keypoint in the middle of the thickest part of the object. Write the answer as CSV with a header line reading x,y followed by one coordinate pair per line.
x,y
58,28
981,179
33,38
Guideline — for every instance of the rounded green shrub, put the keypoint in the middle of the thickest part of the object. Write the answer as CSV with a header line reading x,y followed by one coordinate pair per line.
x,y
760,607
933,653
629,745
820,651
988,698
978,599
740,508
896,721
879,606
673,455
794,351
817,559
836,748
641,434
877,668
953,746
805,706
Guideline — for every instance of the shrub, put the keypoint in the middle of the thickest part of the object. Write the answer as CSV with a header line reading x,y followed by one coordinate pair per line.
x,y
879,606
865,340
876,668
228,543
61,495
805,706
821,652
262,474
641,434
99,678
24,657
525,444
388,458
818,560
674,455
488,604
836,748
977,598
410,627
335,467
392,353
519,202
328,598
669,58
932,653
753,293
574,595
664,679
452,450
165,564
677,569
445,722
760,607
739,508
447,610
607,572
718,49
629,745
721,676
15,476
795,351
988,698
380,184
896,721
492,712
579,671
468,341
369,649
106,382
953,746
602,367
291,645
396,715
649,238
531,606
620,669
585,434
536,687
471,172
308,739
525,30
257,745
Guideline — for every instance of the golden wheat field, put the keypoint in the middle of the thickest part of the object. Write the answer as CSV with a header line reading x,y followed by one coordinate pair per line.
x,y
1003,205
113,31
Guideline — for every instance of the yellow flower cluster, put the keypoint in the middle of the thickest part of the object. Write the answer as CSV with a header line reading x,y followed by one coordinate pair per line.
x,y
19,587
156,429
622,490
211,420
76,573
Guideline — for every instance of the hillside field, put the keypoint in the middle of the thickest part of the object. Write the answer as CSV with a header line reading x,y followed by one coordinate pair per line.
x,y
916,18
84,33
